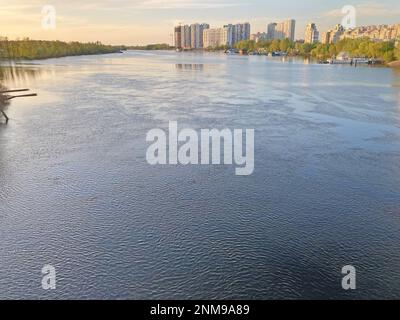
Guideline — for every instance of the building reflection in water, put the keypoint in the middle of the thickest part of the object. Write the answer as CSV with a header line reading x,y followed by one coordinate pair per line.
x,y
190,66
396,85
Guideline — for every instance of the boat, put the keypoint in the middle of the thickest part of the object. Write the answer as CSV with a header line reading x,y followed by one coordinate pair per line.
x,y
232,51
278,54
336,61
353,61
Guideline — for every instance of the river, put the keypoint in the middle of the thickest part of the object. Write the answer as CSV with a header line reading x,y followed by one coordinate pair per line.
x,y
76,191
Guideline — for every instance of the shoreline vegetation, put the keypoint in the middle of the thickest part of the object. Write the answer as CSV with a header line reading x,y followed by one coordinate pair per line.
x,y
387,52
156,46
41,49
364,47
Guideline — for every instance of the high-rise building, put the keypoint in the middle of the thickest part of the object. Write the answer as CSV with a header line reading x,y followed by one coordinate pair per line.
x,y
246,31
178,37
336,34
186,37
258,36
203,27
213,38
312,33
326,37
197,35
190,37
282,30
271,29
238,32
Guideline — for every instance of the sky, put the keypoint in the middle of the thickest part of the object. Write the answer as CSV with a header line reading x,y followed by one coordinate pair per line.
x,y
134,22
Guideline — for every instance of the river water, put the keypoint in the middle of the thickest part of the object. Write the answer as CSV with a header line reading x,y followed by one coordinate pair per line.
x,y
77,193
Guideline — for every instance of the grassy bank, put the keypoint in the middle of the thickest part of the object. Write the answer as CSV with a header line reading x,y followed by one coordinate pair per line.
x,y
36,49
394,64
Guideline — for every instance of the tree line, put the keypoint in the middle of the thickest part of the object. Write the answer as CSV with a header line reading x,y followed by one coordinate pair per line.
x,y
157,46
362,47
39,49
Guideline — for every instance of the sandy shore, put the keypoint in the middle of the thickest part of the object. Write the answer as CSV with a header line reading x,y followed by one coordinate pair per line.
x,y
394,64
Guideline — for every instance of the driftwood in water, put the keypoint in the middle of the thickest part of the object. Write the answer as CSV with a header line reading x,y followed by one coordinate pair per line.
x,y
11,91
22,96
5,116
5,98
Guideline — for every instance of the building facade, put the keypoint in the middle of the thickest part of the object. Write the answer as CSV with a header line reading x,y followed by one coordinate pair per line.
x,y
312,33
282,30
213,38
259,36
375,33
238,32
178,37
271,28
186,37
326,37
229,35
336,34
196,37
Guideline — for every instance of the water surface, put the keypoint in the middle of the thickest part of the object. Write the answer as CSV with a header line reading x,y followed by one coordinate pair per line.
x,y
76,191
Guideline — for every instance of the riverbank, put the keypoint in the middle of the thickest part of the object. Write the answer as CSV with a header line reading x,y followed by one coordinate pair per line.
x,y
353,48
394,64
38,49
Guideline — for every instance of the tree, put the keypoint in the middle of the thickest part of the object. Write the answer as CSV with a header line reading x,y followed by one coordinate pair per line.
x,y
33,49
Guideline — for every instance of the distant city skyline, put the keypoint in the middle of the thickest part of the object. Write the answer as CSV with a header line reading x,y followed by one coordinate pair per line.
x,y
152,21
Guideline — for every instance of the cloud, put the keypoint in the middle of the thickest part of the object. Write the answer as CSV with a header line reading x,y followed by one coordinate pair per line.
x,y
369,9
187,4
132,4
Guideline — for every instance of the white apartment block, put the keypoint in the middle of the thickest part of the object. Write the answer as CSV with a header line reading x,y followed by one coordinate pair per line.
x,y
216,37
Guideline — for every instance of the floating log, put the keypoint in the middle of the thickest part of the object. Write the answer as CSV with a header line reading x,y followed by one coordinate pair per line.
x,y
22,96
11,91
5,116
6,98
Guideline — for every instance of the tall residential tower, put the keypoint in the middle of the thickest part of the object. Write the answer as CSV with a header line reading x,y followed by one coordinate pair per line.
x,y
282,30
312,33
